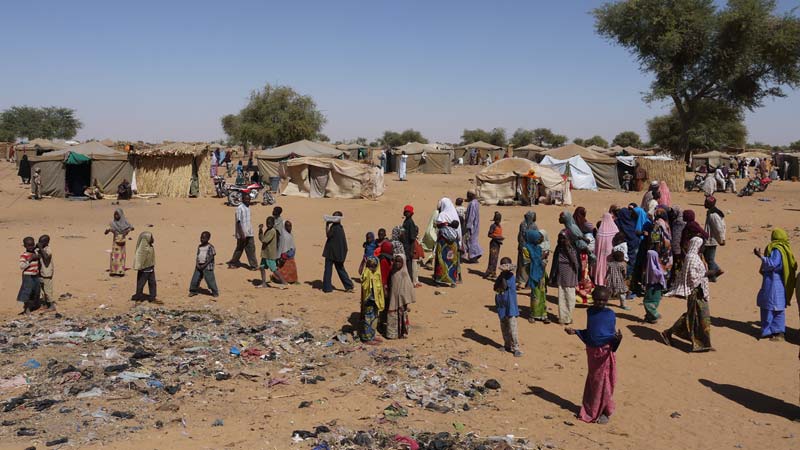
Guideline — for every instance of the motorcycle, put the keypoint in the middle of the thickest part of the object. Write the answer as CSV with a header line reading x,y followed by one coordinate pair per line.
x,y
236,192
699,178
754,185
220,186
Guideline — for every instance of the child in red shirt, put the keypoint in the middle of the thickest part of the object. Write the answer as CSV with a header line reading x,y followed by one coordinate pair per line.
x,y
496,236
29,264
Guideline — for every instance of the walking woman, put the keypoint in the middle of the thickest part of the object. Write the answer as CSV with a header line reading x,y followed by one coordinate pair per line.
x,y
603,246
400,296
119,228
371,300
695,324
778,273
447,264
523,261
24,170
536,279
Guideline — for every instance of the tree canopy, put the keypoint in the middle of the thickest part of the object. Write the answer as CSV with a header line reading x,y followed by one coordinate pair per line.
x,y
395,139
275,115
736,56
718,125
628,139
795,145
50,122
497,136
594,140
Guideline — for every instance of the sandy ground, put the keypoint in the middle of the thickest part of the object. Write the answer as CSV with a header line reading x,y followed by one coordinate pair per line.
x,y
742,396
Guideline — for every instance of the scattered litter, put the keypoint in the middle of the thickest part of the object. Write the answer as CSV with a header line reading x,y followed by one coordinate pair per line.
x,y
218,423
32,364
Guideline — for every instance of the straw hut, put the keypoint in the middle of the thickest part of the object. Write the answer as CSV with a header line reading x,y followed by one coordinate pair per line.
x,y
72,169
530,151
167,170
425,158
662,169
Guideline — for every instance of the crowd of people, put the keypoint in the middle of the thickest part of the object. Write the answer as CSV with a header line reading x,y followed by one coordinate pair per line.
x,y
649,249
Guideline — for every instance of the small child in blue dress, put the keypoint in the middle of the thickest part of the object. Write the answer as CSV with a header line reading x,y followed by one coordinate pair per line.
x,y
505,300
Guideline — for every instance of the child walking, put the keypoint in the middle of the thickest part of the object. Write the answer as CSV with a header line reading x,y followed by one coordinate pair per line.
x,y
144,262
505,300
602,340
496,236
204,266
46,271
655,283
615,277
29,264
269,253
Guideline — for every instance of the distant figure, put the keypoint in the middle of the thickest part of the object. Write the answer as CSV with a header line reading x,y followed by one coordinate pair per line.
x,y
401,171
640,175
382,159
214,162
626,181
472,249
46,271
24,171
119,228
245,239
124,191
505,300
335,253
778,268
204,267
145,265
29,265
239,173
36,184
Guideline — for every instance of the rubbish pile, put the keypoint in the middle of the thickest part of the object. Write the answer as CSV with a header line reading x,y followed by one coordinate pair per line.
x,y
79,380
325,438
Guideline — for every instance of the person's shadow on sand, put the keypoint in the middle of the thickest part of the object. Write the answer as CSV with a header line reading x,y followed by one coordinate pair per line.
x,y
471,334
754,401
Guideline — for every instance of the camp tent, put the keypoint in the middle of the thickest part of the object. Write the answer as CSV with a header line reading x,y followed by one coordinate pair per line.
x,y
750,154
78,166
588,169
530,151
598,149
714,158
269,160
425,158
483,148
633,151
37,147
351,151
167,170
502,180
317,177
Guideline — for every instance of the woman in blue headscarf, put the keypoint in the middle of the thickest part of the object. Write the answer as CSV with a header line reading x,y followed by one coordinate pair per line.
x,y
537,279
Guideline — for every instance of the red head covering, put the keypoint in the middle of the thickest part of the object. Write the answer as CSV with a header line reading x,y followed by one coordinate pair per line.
x,y
408,209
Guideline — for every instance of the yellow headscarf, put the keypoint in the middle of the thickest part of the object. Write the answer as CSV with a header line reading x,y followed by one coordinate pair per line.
x,y
780,241
372,286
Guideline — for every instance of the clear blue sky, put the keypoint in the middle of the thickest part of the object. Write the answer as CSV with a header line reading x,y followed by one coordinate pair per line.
x,y
170,69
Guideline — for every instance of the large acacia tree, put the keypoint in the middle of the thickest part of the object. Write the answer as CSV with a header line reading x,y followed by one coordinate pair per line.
x,y
737,56
50,122
275,115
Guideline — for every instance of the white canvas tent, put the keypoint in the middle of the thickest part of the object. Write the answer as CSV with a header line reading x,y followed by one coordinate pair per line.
x,y
503,179
589,169
317,177
269,160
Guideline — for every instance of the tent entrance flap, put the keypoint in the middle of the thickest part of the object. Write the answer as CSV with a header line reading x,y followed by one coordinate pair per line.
x,y
78,177
75,158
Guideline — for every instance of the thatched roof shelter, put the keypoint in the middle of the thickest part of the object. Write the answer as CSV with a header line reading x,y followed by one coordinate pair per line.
x,y
167,170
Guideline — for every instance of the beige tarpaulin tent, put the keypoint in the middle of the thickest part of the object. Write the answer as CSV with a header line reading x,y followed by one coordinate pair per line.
x,y
351,150
715,158
483,148
317,177
167,170
598,149
750,154
633,151
78,166
37,146
603,167
504,179
530,151
269,160
425,158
